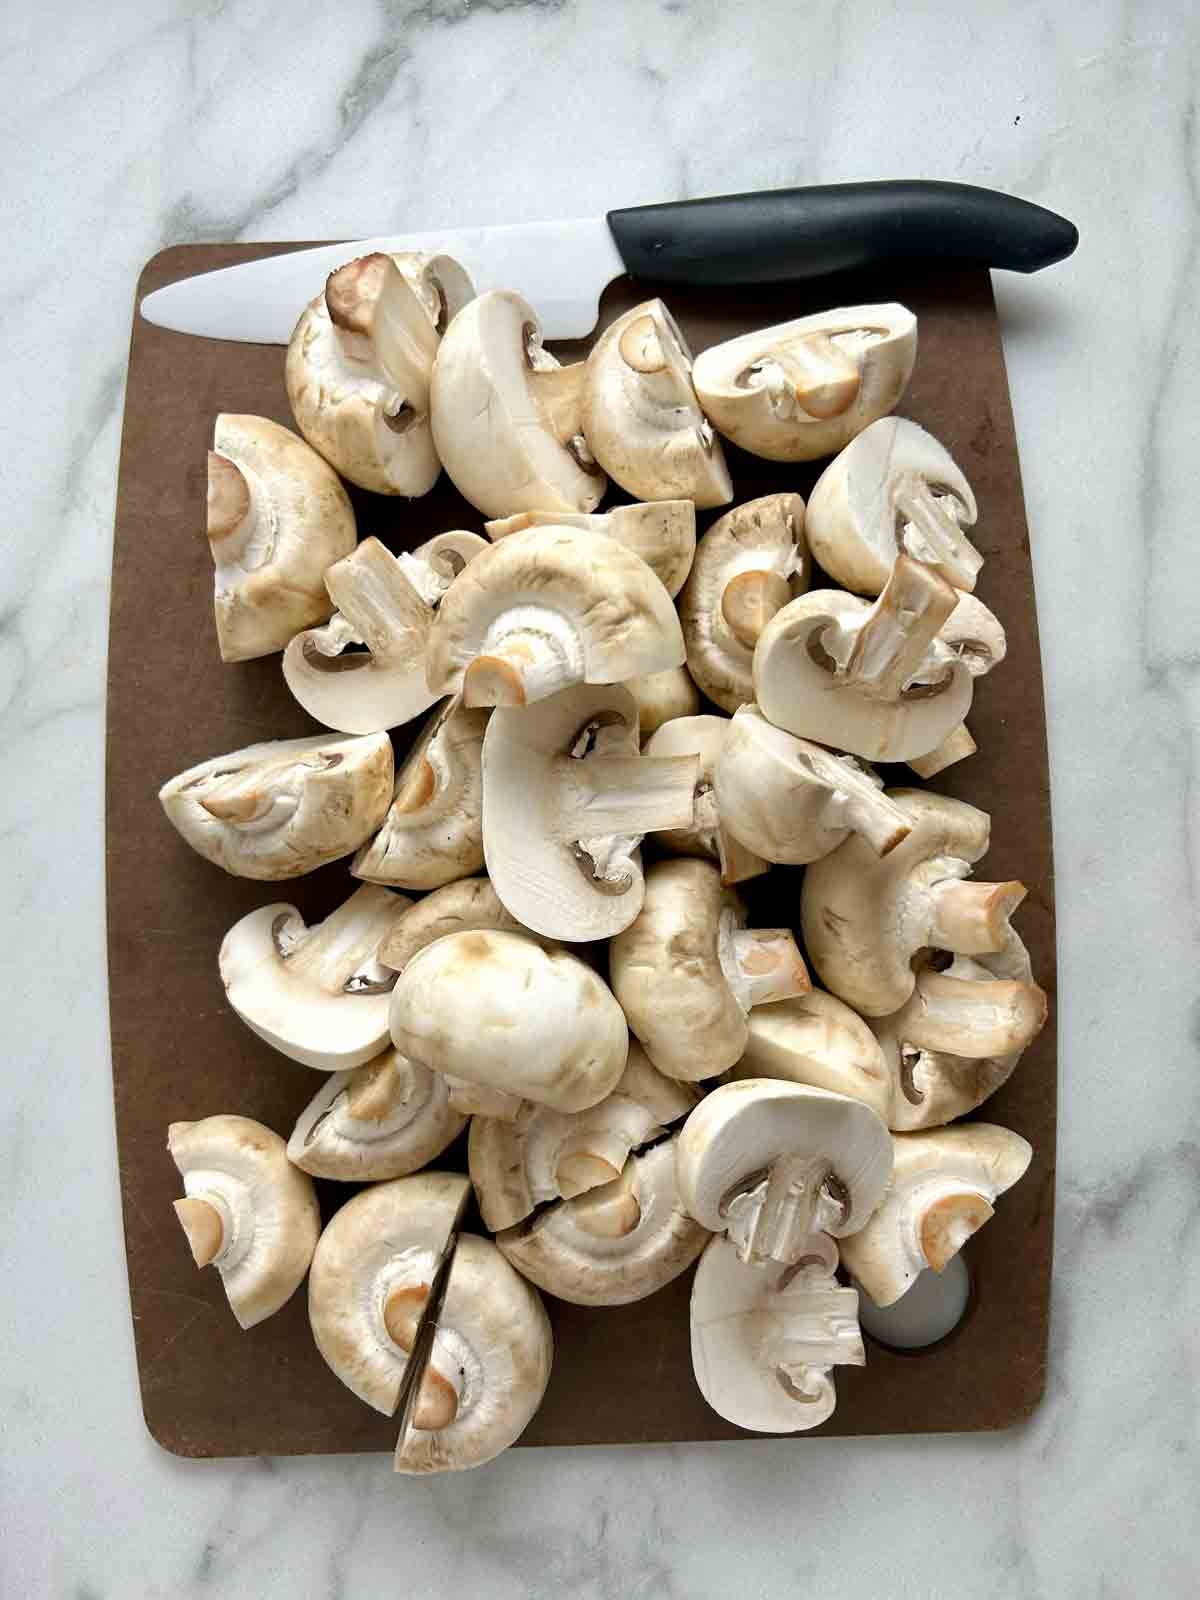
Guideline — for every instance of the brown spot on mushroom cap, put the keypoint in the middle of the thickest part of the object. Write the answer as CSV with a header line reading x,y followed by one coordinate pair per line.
x,y
949,1223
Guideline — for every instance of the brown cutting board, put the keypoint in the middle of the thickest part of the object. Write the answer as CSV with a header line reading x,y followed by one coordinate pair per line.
x,y
620,1375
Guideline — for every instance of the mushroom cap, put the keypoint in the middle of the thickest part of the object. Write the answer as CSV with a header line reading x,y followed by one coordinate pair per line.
x,y
465,906
805,388
269,1221
661,532
703,736
270,564
283,808
817,1040
498,1009
750,560
976,635
663,696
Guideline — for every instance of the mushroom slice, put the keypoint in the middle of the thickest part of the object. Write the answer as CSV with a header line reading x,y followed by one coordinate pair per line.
x,y
566,801
788,800
612,1245
433,831
248,1212
641,417
280,809
663,696
817,1040
893,491
319,995
359,366
975,635
506,415
942,1188
865,917
662,533
805,388
277,518
764,1338
384,1120
687,970
466,906
546,609
748,566
385,603
771,1162
499,1010
546,1155
705,738
871,679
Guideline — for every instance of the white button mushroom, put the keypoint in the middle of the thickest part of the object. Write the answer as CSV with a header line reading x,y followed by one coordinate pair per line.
x,y
663,696
662,533
707,837
464,906
975,635
816,1039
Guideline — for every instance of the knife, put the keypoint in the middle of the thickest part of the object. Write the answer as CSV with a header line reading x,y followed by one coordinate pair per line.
x,y
562,268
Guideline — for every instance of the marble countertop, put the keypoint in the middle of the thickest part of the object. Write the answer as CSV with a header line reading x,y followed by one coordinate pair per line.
x,y
136,125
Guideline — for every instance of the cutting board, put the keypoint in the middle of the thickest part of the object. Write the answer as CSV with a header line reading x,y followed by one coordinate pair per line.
x,y
621,1375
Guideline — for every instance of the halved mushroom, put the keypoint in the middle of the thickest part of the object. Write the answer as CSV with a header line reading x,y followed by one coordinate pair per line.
x,y
359,366
771,1163
805,388
764,1339
866,917
566,801
548,608
748,566
280,809
385,603
872,679
687,970
704,737
319,995
662,532
893,491
975,635
466,906
507,416
614,1244
277,518
641,417
248,1212
433,831
816,1039
663,696
942,1188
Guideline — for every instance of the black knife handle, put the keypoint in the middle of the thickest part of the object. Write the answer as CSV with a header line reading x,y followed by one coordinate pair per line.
x,y
781,235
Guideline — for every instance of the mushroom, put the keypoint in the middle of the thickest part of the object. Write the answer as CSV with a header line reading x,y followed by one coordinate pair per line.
x,y
319,995
805,388
506,415
748,566
280,809
566,801
865,917
465,906
872,679
548,608
277,518
641,418
546,1155
499,1010
894,490
615,1244
433,830
663,696
816,1039
764,1339
707,837
662,532
771,1163
383,1120
359,366
248,1212
975,635
386,603
687,971
788,800
942,1188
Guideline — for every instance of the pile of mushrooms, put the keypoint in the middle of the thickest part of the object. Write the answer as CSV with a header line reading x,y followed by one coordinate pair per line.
x,y
624,723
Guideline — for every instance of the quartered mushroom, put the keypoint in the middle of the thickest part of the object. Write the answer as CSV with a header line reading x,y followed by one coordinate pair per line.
x,y
893,491
663,696
975,635
687,970
816,1039
943,1184
280,809
507,416
707,837
465,906
805,388
319,995
278,516
247,1211
748,566
360,362
865,917
662,532
641,417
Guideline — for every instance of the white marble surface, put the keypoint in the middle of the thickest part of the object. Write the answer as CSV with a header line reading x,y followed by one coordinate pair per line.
x,y
134,125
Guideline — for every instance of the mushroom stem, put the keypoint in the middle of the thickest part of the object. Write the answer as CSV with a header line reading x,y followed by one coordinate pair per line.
x,y
611,1211
891,643
947,1224
479,1100
932,534
377,1089
974,1017
737,863
819,1329
248,797
589,1162
559,394
379,317
228,497
749,601
602,795
204,1227
858,802
522,667
438,1396
345,941
768,966
956,746
772,1219
824,380
373,594
971,918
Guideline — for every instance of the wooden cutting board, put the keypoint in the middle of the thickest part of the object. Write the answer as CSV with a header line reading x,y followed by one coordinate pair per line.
x,y
621,1375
